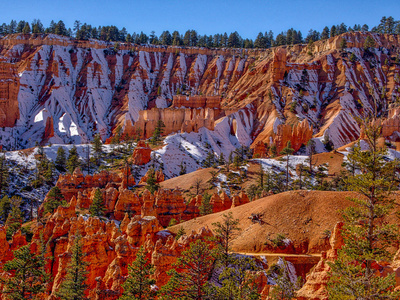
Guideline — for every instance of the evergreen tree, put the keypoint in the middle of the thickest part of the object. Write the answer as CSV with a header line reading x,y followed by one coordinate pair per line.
x,y
186,38
49,172
151,181
60,28
182,168
5,208
138,284
15,218
20,26
260,41
365,27
73,286
12,27
367,237
165,38
97,148
369,43
225,232
3,174
224,40
260,178
325,33
210,160
180,232
176,39
60,161
238,280
221,159
54,199
29,277
333,31
205,206
234,40
37,26
288,150
51,27
158,131
73,159
343,44
97,208
195,265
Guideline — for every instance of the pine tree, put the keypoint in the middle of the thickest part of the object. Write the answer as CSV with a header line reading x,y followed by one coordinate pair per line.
x,y
238,281
49,172
195,265
138,284
5,207
3,174
97,148
97,208
29,277
325,33
343,44
151,181
182,168
15,217
261,178
367,236
205,206
60,161
221,159
73,286
210,160
26,29
369,43
73,159
225,232
158,131
54,199
180,232
288,150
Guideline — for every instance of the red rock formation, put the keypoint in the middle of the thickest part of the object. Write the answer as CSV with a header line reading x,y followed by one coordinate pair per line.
x,y
128,201
9,88
196,101
175,120
240,199
142,154
5,253
316,281
169,204
298,135
391,124
159,176
260,150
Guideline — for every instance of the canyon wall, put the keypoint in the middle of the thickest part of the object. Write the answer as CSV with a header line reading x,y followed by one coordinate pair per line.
x,y
55,89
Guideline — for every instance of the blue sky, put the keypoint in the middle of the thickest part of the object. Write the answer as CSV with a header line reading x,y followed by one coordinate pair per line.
x,y
205,16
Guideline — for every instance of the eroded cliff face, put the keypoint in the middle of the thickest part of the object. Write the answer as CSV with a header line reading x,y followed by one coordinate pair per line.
x,y
68,90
